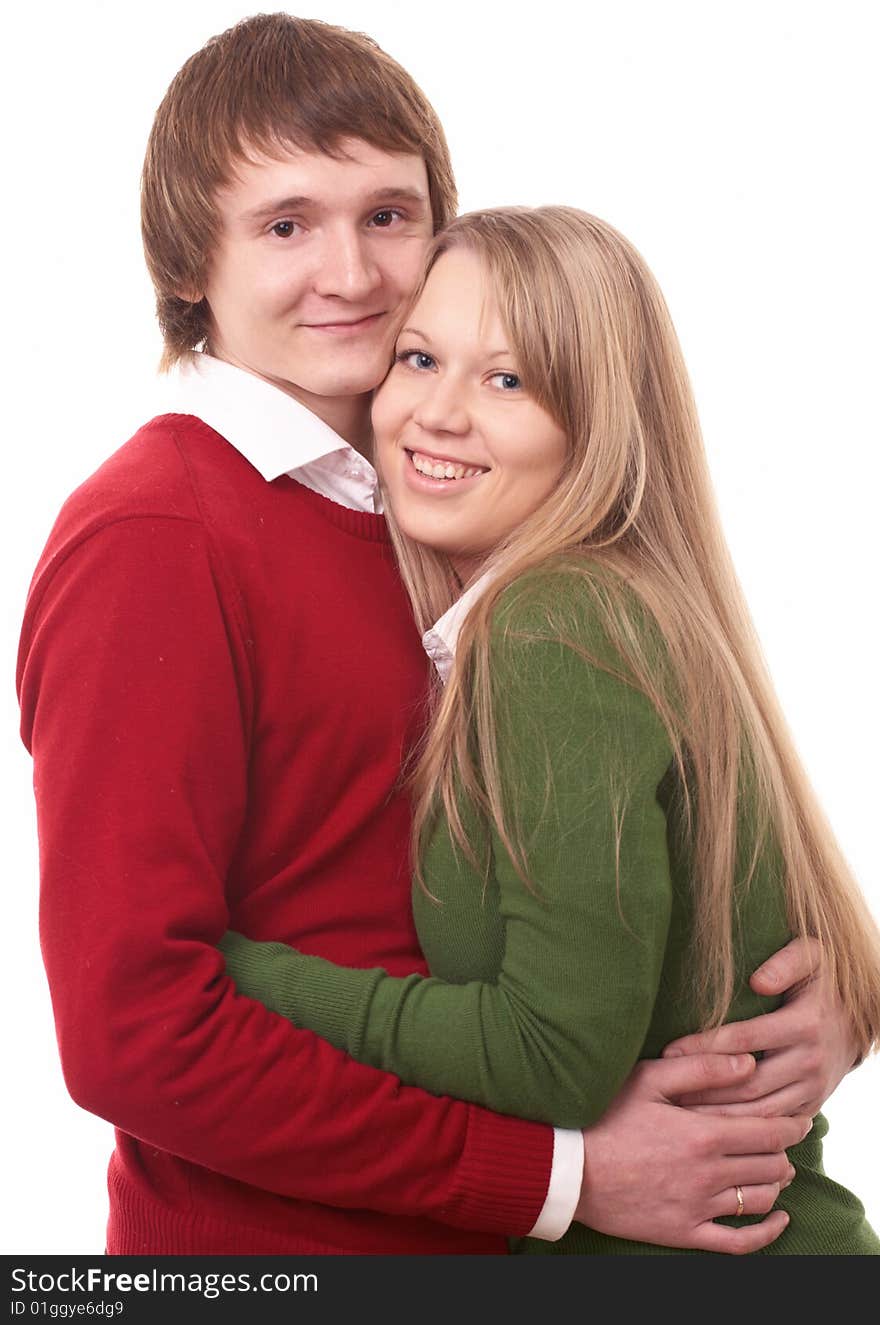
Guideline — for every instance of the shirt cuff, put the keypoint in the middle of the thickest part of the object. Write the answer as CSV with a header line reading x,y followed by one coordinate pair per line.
x,y
563,1193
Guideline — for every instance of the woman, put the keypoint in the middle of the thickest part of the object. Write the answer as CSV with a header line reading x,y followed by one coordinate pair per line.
x,y
611,826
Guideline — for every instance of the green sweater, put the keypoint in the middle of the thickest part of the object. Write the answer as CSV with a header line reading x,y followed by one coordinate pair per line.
x,y
543,996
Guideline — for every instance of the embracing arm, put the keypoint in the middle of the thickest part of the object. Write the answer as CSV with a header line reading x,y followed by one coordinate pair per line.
x,y
555,1034
134,684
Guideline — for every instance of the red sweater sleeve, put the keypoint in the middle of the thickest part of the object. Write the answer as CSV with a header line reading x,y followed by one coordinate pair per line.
x,y
132,706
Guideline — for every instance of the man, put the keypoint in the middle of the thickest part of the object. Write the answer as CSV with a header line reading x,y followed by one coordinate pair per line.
x,y
219,679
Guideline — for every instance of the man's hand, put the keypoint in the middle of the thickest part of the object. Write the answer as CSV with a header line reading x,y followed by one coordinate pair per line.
x,y
808,1045
659,1173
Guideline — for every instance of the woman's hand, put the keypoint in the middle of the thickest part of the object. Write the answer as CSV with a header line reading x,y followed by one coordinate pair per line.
x,y
807,1045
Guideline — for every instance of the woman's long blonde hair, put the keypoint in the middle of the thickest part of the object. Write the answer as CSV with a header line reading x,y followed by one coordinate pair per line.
x,y
634,508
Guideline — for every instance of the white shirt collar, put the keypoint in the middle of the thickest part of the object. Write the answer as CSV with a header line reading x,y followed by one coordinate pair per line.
x,y
274,432
441,641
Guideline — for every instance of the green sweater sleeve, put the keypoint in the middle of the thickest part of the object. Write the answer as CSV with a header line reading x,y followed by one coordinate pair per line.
x,y
553,1036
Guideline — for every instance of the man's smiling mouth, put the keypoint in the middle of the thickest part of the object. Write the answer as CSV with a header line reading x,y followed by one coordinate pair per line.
x,y
346,328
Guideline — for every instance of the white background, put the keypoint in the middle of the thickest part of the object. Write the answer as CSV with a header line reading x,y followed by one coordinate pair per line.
x,y
734,143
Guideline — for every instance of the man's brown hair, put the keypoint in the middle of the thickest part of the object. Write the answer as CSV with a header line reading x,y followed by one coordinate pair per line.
x,y
269,83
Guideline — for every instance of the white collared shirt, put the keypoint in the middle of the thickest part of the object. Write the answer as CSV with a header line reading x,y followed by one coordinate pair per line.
x,y
441,641
272,430
278,435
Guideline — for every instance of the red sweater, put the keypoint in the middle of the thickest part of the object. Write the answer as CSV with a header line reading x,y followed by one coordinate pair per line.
x,y
218,678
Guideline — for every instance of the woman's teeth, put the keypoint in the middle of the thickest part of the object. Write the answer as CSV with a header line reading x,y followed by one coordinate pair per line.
x,y
443,468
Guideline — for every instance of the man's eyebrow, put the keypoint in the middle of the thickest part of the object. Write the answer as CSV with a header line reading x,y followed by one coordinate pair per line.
x,y
302,203
396,195
267,209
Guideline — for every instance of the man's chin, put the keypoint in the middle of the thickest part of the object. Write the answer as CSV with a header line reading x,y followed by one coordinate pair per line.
x,y
338,386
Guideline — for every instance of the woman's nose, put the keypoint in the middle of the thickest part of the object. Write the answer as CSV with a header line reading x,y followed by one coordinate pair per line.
x,y
442,408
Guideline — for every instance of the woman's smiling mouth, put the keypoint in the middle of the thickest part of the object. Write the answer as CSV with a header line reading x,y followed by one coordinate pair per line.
x,y
437,467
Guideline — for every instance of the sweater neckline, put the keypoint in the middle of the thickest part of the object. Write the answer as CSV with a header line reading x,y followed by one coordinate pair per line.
x,y
362,524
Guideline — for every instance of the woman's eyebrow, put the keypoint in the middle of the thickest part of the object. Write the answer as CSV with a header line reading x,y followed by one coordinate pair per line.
x,y
422,335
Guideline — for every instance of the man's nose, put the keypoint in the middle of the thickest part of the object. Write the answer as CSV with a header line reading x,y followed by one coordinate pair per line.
x,y
346,267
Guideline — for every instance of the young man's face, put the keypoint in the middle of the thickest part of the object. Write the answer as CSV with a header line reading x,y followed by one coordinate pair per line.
x,y
314,264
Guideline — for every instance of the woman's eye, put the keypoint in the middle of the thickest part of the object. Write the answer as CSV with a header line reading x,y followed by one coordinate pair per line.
x,y
417,359
283,229
506,381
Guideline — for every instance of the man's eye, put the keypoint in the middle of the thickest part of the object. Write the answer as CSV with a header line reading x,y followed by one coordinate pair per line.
x,y
506,381
283,229
416,359
384,218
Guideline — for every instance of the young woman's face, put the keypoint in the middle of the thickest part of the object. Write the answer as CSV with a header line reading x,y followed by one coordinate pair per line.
x,y
466,455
